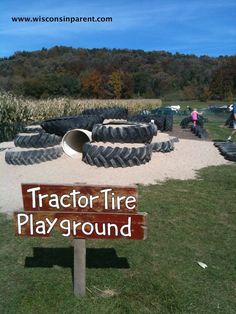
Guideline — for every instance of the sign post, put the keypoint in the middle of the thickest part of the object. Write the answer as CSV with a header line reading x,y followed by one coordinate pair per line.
x,y
79,267
81,212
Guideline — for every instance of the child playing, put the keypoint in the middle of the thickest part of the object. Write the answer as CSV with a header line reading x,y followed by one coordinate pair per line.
x,y
194,116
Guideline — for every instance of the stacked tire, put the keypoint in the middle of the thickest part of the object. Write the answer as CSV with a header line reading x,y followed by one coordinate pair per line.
x,y
42,142
164,122
229,121
199,131
128,133
124,144
60,126
185,122
108,156
34,146
99,153
108,113
227,149
168,122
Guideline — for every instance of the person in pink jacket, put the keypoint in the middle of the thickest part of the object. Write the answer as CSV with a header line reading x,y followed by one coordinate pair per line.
x,y
194,115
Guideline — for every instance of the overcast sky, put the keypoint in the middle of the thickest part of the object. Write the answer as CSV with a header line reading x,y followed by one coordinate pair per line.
x,y
203,27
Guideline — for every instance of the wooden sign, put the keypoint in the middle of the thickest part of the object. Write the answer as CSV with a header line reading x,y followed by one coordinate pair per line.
x,y
82,225
82,212
82,198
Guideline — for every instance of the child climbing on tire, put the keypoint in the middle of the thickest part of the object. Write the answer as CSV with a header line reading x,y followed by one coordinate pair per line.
x,y
194,116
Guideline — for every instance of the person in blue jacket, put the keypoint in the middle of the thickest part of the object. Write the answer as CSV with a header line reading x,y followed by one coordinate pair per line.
x,y
234,123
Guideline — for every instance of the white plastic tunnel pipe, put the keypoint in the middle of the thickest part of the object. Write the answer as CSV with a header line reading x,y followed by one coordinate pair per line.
x,y
73,141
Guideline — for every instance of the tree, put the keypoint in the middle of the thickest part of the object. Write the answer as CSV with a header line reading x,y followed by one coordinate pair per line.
x,y
128,86
141,82
205,93
91,83
162,83
117,73
116,83
189,93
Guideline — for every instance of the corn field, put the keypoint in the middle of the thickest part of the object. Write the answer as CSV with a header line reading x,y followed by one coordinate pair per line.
x,y
15,112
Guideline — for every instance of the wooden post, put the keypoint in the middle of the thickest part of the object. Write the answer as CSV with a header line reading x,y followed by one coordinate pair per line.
x,y
79,267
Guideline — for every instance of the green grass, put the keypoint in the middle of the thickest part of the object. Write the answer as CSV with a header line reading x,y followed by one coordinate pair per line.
x,y
217,131
189,221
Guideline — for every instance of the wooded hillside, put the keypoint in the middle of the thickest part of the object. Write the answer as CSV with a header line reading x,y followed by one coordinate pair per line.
x,y
118,73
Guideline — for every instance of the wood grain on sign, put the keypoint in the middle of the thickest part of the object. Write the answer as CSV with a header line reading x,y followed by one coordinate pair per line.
x,y
88,191
31,220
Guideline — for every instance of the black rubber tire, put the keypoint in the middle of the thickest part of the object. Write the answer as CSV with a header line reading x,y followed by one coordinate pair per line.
x,y
60,126
108,113
164,147
158,120
217,144
200,133
160,123
175,140
223,147
204,134
230,156
197,131
185,122
229,121
30,157
145,119
132,133
168,122
36,140
33,129
227,149
106,156
154,129
194,129
200,121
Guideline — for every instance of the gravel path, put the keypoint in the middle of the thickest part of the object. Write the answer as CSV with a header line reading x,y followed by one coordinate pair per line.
x,y
182,163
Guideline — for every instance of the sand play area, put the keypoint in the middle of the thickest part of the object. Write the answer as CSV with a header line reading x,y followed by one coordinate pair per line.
x,y
188,156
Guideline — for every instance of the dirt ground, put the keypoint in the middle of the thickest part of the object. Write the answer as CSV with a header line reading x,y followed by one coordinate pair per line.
x,y
190,154
184,133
